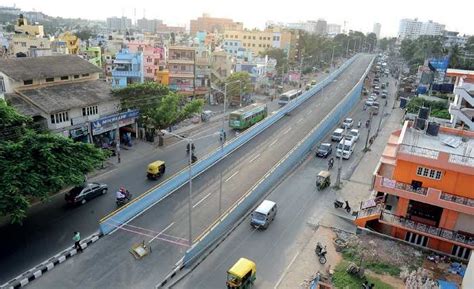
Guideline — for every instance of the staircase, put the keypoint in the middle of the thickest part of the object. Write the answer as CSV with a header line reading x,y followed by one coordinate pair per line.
x,y
458,113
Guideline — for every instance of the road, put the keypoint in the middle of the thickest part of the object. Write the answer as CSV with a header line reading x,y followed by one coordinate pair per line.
x,y
166,223
300,206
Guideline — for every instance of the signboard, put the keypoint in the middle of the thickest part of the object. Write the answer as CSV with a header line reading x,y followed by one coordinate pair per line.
x,y
389,183
110,122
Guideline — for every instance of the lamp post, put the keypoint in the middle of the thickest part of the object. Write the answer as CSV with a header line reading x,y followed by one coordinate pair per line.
x,y
190,176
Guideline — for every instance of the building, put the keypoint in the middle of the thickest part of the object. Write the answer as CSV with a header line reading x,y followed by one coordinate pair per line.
x,y
221,65
181,61
72,42
424,185
412,29
22,27
452,38
462,107
154,58
212,24
63,93
148,25
93,55
376,29
127,68
334,29
321,27
119,24
27,39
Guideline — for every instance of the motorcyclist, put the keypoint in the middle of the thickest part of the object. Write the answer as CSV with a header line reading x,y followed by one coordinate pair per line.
x,y
359,123
121,194
190,146
331,163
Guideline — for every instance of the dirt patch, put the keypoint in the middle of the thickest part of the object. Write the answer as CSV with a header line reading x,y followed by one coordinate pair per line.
x,y
393,281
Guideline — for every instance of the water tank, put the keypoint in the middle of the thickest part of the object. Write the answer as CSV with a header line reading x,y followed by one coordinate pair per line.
x,y
403,102
424,112
433,128
420,123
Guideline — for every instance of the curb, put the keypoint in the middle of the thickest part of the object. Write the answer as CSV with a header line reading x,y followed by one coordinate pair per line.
x,y
36,272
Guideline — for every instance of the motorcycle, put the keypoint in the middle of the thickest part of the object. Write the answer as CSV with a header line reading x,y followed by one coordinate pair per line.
x,y
343,205
193,158
321,253
188,148
123,201
359,124
330,164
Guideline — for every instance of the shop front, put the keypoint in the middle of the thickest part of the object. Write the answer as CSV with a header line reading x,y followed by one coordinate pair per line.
x,y
104,130
80,134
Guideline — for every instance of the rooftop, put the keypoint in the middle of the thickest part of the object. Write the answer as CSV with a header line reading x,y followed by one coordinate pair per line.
x,y
21,105
25,68
57,98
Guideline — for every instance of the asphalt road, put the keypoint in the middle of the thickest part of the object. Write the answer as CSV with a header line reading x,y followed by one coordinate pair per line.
x,y
108,264
300,205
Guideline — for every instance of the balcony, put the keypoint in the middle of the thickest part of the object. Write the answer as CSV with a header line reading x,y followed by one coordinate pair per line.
x,y
430,231
126,73
180,60
425,195
435,158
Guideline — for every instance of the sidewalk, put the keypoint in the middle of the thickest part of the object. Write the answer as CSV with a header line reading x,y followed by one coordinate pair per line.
x,y
356,189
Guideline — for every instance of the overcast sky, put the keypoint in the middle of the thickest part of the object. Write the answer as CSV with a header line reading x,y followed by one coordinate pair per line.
x,y
358,15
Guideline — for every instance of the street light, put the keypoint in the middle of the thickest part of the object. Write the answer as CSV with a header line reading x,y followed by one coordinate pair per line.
x,y
190,162
301,67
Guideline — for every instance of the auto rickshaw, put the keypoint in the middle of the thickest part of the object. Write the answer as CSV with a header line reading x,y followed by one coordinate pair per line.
x,y
242,274
155,170
323,180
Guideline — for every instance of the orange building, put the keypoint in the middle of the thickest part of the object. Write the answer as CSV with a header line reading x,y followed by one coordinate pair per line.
x,y
426,181
211,24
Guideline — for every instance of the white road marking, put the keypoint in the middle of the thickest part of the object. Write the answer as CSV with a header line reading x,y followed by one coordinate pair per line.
x,y
202,200
233,175
254,158
273,142
162,231
309,112
287,131
299,120
286,270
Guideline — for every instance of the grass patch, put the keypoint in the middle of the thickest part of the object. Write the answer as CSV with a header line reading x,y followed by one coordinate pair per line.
x,y
351,254
341,279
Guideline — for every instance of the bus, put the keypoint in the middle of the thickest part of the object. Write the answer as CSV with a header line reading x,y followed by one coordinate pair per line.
x,y
289,96
247,116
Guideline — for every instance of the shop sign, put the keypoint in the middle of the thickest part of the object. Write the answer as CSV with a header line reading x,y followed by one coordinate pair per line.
x,y
78,132
110,122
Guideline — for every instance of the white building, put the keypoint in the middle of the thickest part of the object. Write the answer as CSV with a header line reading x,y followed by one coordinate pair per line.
x,y
412,29
376,29
334,29
432,28
462,107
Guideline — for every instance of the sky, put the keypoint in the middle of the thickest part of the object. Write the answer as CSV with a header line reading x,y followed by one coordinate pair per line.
x,y
358,15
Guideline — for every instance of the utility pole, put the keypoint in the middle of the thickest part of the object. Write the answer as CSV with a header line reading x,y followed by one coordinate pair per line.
x,y
339,161
117,138
191,153
194,75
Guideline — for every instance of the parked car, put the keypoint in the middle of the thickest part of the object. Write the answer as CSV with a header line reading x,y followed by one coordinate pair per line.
x,y
355,134
83,193
324,150
348,123
374,96
369,102
337,134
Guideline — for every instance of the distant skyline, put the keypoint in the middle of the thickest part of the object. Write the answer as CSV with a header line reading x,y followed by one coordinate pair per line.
x,y
358,15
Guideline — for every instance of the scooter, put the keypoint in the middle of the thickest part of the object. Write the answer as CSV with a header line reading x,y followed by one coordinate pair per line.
x,y
321,253
193,158
359,124
343,205
123,201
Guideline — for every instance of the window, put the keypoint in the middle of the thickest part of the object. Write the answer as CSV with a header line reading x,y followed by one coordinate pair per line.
x,y
183,67
23,44
60,117
64,77
76,76
28,82
85,75
253,44
260,45
429,173
245,36
50,79
416,239
90,110
461,252
254,38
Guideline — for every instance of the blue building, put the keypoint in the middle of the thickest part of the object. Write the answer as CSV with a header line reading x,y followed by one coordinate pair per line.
x,y
127,69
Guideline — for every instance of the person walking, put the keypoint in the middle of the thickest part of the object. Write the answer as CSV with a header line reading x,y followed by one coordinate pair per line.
x,y
77,239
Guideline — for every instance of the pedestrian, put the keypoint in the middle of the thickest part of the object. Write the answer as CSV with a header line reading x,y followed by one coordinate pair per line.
x,y
77,239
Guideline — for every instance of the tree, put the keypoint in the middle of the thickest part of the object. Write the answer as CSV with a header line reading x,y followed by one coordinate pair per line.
x,y
278,54
234,87
35,164
172,109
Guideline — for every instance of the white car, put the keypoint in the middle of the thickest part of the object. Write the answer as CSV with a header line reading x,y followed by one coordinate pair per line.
x,y
348,123
355,134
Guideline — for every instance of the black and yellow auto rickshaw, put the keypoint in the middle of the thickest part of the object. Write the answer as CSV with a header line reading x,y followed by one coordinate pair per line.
x,y
323,180
155,170
242,274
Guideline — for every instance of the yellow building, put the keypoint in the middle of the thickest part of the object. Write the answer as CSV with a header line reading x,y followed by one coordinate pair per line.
x,y
28,40
22,27
72,42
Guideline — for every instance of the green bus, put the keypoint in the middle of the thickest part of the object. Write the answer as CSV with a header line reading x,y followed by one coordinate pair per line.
x,y
247,116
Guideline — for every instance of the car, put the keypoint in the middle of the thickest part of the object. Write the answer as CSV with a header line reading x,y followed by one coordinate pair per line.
x,y
337,134
324,150
374,96
384,95
85,192
355,134
348,123
369,102
385,91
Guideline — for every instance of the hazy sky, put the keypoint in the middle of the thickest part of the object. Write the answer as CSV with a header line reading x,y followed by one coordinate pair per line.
x,y
359,15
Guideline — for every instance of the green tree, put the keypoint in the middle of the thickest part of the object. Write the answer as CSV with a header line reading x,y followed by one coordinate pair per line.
x,y
234,87
172,109
35,164
278,54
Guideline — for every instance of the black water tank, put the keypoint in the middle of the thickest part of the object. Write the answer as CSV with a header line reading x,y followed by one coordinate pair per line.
x,y
420,123
403,102
433,128
424,112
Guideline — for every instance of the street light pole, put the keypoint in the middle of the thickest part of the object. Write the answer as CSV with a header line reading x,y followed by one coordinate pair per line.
x,y
332,57
339,161
190,143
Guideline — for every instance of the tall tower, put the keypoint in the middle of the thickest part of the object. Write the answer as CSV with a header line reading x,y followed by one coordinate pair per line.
x,y
376,30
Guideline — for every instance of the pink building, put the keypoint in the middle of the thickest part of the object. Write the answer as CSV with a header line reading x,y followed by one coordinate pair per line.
x,y
154,58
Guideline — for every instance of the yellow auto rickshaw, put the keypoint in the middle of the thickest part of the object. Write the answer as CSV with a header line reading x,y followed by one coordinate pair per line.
x,y
155,170
242,274
323,180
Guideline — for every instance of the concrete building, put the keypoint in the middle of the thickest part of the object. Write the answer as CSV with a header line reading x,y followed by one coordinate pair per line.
x,y
148,25
424,189
376,29
181,60
72,42
121,24
212,24
93,55
321,27
412,29
452,38
154,58
63,93
127,68
462,107
27,39
334,29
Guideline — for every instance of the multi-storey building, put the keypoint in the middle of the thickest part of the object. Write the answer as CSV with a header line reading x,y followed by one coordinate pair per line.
x,y
93,55
72,42
424,180
27,38
119,24
211,24
148,25
154,58
321,27
412,29
127,68
462,107
62,93
334,29
376,29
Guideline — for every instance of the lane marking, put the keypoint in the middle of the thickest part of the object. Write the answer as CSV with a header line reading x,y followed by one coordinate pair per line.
x,y
233,175
299,120
202,200
287,130
162,231
286,270
309,112
254,158
273,142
